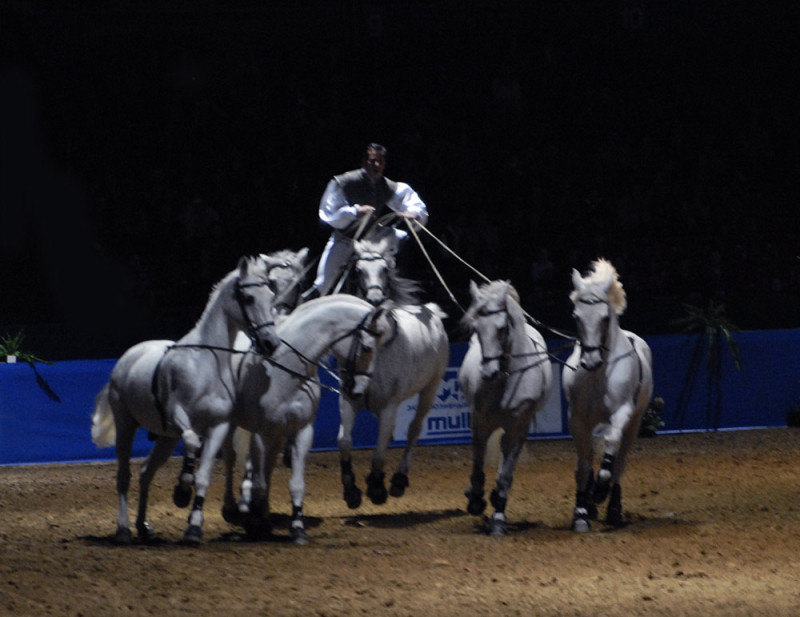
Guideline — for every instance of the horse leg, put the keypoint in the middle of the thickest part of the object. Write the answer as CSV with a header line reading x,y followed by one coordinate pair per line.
x,y
162,450
301,444
476,504
399,481
376,490
613,438
214,439
585,510
182,492
511,446
230,509
126,430
351,492
256,523
614,509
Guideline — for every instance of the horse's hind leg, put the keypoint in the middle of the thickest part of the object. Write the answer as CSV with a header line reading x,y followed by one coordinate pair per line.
x,y
399,481
297,482
162,449
126,429
376,490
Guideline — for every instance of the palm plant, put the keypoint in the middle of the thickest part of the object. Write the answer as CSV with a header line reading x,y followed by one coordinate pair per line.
x,y
714,332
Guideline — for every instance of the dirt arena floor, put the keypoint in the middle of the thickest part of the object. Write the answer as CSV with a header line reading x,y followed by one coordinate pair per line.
x,y
713,530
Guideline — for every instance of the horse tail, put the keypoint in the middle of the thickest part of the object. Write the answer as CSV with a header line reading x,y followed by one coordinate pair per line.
x,y
104,431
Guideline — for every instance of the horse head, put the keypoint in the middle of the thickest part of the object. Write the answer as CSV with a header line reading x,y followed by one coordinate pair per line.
x,y
360,356
285,272
374,263
491,317
254,303
598,299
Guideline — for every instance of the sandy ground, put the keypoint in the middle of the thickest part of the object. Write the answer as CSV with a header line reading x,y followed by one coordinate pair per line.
x,y
713,529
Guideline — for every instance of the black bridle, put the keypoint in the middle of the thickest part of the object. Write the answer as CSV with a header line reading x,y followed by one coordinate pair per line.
x,y
349,371
252,328
504,358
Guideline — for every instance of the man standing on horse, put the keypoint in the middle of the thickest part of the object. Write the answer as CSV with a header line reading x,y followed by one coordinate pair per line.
x,y
352,204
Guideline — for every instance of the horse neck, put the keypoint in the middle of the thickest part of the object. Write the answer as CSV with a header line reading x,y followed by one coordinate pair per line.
x,y
214,327
617,342
313,332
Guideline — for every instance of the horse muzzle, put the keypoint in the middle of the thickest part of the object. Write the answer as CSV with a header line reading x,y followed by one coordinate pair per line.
x,y
265,345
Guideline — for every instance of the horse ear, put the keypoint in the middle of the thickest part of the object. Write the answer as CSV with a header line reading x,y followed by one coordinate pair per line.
x,y
302,254
577,281
608,282
473,289
244,263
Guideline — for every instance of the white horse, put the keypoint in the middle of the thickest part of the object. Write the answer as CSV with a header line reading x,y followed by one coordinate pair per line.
x,y
277,398
183,389
608,382
506,377
286,270
413,360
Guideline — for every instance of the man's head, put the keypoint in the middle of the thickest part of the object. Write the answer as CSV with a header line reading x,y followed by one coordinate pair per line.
x,y
375,160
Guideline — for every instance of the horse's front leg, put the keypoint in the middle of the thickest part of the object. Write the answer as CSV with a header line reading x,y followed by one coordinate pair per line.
x,y
614,509
301,445
262,458
347,413
214,439
585,510
376,489
481,431
182,492
162,450
510,445
612,441
230,509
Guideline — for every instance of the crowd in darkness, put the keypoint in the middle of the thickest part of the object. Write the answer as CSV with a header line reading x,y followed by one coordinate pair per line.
x,y
652,137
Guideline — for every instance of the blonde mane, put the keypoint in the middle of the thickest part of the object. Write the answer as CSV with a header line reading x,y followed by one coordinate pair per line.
x,y
602,270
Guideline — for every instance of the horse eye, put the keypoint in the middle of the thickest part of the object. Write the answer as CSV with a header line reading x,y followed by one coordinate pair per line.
x,y
248,300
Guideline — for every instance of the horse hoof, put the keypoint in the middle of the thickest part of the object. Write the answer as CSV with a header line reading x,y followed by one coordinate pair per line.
x,y
580,525
399,484
299,536
378,495
193,535
352,497
600,491
146,532
181,495
497,525
376,491
123,537
614,517
232,515
476,504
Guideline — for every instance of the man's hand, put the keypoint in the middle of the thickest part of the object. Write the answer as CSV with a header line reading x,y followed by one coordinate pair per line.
x,y
365,210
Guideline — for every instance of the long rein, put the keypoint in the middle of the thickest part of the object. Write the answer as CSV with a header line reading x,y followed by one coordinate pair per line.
x,y
570,337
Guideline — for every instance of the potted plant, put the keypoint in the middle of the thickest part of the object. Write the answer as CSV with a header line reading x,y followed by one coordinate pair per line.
x,y
713,332
11,350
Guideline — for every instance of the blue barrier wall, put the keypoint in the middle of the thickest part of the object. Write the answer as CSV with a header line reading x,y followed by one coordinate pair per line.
x,y
35,428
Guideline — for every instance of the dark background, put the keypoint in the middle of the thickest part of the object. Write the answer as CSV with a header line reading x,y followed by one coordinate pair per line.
x,y
146,146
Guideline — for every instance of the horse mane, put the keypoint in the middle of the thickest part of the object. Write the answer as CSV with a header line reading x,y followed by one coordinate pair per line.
x,y
217,288
490,291
601,271
401,290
